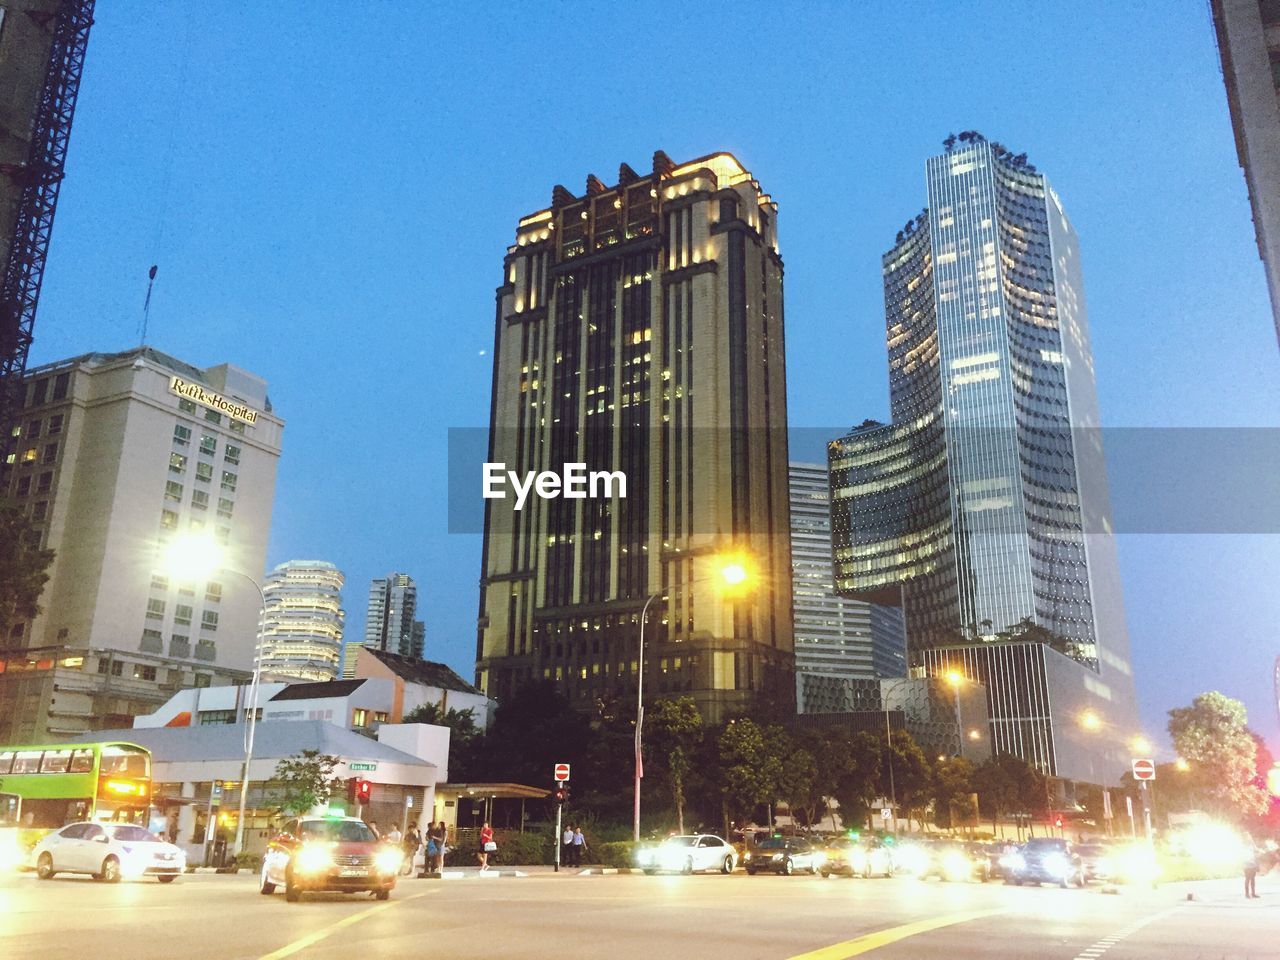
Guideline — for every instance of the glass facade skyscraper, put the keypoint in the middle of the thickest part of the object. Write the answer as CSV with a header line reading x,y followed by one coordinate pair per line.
x,y
982,507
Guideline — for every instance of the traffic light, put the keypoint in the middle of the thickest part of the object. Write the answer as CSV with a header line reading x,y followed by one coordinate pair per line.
x,y
364,789
562,793
1058,823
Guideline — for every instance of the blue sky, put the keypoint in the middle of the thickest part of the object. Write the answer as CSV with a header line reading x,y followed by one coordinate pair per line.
x,y
329,189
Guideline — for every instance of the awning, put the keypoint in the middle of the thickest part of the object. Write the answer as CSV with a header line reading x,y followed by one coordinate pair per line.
x,y
499,791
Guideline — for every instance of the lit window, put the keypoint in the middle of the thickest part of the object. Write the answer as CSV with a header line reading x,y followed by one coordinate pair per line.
x,y
142,672
29,456
228,481
204,471
177,462
168,520
173,490
237,426
208,444
359,717
232,454
186,406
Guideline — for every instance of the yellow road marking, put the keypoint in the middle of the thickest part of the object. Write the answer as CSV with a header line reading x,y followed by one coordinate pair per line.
x,y
881,938
313,938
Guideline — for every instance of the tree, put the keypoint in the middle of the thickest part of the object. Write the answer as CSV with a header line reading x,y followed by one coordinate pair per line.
x,y
748,772
850,772
1212,735
463,731
911,777
951,789
1006,785
24,570
673,728
306,779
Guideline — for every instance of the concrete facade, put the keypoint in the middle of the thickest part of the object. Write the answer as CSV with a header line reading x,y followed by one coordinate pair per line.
x,y
1248,33
112,462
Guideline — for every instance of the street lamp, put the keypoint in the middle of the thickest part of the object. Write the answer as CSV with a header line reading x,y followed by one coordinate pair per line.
x,y
1090,721
733,575
198,557
956,678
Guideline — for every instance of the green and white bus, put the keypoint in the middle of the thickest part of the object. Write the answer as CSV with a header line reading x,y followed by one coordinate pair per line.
x,y
60,783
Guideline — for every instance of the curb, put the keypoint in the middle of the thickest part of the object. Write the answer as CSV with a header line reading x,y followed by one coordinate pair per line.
x,y
460,875
607,871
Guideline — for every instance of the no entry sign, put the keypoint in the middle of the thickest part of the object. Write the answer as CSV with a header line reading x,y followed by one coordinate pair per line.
x,y
1144,769
562,772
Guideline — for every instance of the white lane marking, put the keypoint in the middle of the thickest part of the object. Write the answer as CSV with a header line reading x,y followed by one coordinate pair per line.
x,y
1099,947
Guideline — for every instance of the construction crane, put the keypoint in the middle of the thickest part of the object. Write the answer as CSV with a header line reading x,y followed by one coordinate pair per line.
x,y
42,48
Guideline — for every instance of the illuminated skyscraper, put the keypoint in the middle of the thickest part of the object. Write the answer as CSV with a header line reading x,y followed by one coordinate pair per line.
x,y
639,329
302,625
983,506
389,621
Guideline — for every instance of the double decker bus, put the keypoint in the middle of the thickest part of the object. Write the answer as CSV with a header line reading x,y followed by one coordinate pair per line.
x,y
60,783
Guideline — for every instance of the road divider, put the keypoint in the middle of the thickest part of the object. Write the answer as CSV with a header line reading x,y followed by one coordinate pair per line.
x,y
882,938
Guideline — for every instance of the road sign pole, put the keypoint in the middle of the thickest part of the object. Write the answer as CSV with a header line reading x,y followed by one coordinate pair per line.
x,y
559,809
1146,811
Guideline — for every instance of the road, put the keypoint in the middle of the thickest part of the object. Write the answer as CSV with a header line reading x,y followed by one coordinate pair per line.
x,y
636,918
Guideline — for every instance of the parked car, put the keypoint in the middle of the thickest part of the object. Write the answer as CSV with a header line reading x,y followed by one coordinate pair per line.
x,y
785,855
687,854
329,853
854,857
109,852
1045,860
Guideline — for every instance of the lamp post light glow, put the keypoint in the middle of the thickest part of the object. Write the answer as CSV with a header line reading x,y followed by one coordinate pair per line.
x,y
1181,765
1090,721
198,557
1141,745
733,576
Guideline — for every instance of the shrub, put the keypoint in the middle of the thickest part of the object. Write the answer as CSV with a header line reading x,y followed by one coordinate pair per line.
x,y
252,861
514,849
617,853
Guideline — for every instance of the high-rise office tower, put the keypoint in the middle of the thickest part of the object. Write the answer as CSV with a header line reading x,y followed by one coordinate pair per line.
x,y
1249,45
639,329
302,625
834,636
389,620
115,455
983,506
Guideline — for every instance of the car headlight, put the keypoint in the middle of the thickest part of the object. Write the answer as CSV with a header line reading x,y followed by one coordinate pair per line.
x,y
820,858
955,865
746,857
388,860
776,856
1056,865
1102,867
313,858
10,853
1013,861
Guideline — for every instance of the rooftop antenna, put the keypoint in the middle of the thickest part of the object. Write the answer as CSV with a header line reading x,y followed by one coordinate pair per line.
x,y
146,304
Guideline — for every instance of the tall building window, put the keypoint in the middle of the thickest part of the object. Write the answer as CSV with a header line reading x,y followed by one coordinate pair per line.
x,y
39,392
173,490
222,533
33,429
359,717
209,620
203,680
168,520
204,471
182,614
213,416
143,672
228,481
155,609
186,406
40,510
159,583
60,384
237,426
213,591
181,435
29,456
225,507
232,454
199,500
177,462
50,453
24,486
208,444
45,482
55,425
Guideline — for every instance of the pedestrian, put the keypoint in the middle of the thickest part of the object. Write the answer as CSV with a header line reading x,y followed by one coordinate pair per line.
x,y
579,845
566,845
488,846
393,835
373,825
442,845
412,841
1251,871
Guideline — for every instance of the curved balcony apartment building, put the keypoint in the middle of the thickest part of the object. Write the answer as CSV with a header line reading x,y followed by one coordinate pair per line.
x,y
982,507
303,621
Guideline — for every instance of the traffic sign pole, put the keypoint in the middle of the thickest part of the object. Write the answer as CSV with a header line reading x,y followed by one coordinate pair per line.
x,y
559,832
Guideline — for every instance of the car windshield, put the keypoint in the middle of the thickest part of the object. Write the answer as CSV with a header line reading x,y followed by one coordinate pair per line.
x,y
1046,843
773,843
349,830
679,841
1091,849
131,834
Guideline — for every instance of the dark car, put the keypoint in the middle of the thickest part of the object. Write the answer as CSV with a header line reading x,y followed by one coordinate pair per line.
x,y
330,853
785,855
1045,860
953,860
1096,858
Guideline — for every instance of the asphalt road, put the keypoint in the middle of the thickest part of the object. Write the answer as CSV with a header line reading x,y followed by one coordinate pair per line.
x,y
646,918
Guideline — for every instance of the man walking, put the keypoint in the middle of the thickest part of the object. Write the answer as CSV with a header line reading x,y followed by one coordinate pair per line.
x,y
579,842
566,846
1251,871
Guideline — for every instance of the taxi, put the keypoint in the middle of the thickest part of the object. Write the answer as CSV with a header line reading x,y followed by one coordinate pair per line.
x,y
340,854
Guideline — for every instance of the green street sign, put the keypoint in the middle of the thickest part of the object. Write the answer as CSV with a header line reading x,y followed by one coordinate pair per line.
x,y
362,766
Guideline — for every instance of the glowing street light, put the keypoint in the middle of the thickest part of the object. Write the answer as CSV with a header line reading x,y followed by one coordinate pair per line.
x,y
733,576
198,557
1090,721
1181,765
1141,745
975,735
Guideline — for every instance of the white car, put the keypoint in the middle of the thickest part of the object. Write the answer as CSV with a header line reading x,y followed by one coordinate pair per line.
x,y
700,851
109,852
